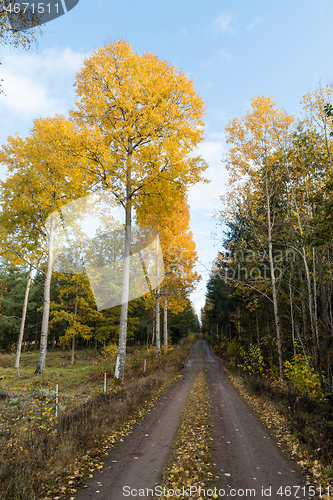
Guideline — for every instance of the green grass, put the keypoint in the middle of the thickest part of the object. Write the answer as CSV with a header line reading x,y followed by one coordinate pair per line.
x,y
86,375
43,457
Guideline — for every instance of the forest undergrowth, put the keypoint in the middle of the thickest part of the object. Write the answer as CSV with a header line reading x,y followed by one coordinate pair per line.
x,y
301,421
44,457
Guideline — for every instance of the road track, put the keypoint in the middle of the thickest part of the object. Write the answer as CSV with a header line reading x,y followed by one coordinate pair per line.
x,y
249,463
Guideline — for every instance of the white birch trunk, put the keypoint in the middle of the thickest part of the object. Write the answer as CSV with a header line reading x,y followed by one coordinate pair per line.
x,y
153,333
273,281
46,309
24,313
73,350
312,297
73,338
292,317
315,312
158,329
121,356
165,317
120,364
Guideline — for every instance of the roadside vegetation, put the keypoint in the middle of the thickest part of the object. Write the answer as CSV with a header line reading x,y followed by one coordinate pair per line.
x,y
268,307
47,457
191,462
295,410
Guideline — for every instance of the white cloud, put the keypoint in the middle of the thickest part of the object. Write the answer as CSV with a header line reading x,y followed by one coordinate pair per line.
x,y
38,84
198,301
181,32
206,63
222,24
255,21
204,201
206,196
220,114
225,55
27,97
211,151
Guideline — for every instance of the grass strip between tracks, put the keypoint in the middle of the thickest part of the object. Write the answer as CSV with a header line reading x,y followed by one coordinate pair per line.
x,y
191,461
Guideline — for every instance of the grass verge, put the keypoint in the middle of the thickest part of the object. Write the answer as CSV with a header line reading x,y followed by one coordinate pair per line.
x,y
43,457
191,463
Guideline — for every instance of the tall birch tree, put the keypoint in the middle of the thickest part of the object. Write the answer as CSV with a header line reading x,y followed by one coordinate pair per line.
x,y
140,118
254,140
41,180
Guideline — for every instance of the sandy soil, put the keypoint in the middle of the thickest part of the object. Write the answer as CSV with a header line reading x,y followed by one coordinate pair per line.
x,y
248,461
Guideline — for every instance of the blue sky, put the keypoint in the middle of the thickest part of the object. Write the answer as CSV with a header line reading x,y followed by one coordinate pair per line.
x,y
232,50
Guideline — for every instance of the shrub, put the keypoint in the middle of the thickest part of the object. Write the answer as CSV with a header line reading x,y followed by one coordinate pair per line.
x,y
234,351
191,337
109,351
253,361
302,376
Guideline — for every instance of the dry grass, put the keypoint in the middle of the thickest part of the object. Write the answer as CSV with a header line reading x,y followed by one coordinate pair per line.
x,y
284,412
191,463
44,457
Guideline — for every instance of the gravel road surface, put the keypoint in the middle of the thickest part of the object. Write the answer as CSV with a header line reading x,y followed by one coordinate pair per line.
x,y
249,463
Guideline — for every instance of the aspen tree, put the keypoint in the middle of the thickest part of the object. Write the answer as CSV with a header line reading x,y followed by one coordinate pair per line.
x,y
254,139
140,118
168,213
41,180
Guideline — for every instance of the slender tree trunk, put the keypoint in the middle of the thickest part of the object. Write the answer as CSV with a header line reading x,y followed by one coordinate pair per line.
x,y
239,323
273,281
73,338
300,340
304,309
121,356
153,330
292,317
46,309
250,326
316,318
257,327
165,317
312,297
24,313
73,351
313,321
158,328
330,292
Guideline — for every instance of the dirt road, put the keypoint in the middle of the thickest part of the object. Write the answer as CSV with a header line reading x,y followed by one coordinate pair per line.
x,y
247,457
248,461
